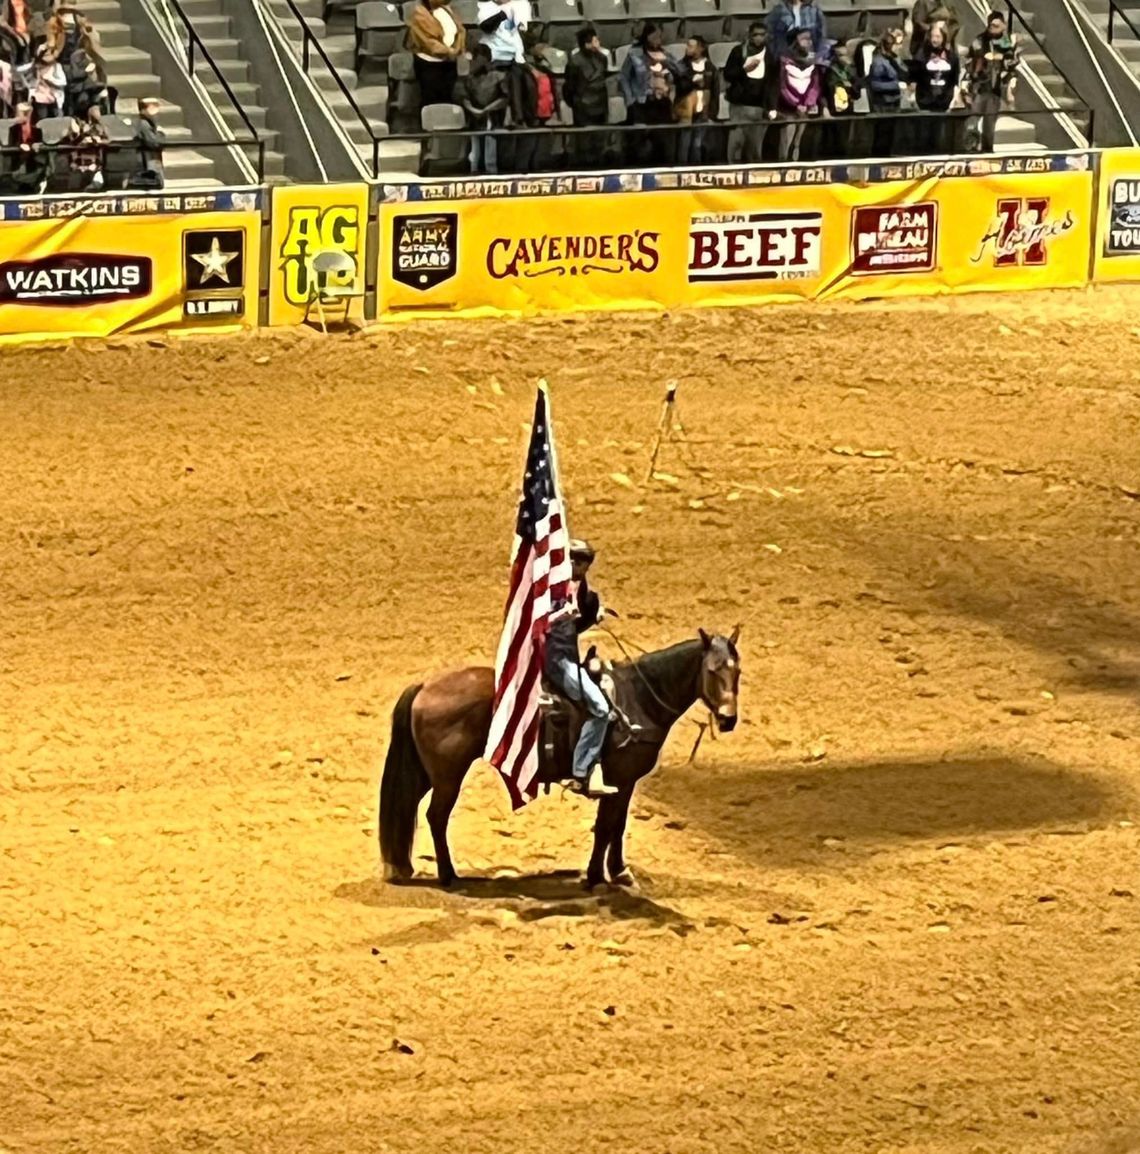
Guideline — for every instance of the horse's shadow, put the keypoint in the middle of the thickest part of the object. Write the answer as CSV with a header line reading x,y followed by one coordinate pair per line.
x,y
529,897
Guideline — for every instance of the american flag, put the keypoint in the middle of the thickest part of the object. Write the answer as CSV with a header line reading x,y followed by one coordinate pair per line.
x,y
540,583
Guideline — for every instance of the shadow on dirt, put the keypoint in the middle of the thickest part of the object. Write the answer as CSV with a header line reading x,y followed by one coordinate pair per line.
x,y
529,898
785,815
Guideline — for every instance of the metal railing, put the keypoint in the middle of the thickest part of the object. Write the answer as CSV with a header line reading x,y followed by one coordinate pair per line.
x,y
1115,10
854,137
1014,13
194,42
310,42
103,149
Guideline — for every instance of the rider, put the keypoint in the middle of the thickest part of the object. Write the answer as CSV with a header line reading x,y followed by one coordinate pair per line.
x,y
579,612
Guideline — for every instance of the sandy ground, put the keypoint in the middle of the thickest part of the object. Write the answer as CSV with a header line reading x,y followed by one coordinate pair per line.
x,y
895,911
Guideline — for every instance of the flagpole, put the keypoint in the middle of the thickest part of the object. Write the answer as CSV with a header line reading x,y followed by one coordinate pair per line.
x,y
544,388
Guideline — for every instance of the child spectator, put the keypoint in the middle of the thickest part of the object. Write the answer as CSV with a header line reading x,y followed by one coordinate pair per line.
x,y
149,140
482,94
48,86
747,75
799,93
934,74
698,94
842,87
885,84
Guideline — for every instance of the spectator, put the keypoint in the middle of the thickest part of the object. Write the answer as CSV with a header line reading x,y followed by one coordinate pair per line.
x,y
698,98
149,140
28,165
885,83
534,102
15,27
790,16
924,15
648,82
87,140
934,74
584,90
991,78
482,94
68,31
85,86
747,75
436,38
502,23
799,92
841,86
48,85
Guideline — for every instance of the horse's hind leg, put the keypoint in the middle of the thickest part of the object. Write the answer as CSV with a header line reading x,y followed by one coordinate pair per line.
x,y
619,872
443,798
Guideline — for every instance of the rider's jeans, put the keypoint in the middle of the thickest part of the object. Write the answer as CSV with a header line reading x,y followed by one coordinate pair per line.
x,y
572,680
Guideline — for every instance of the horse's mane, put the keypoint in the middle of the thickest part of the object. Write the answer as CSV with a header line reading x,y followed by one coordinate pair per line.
x,y
655,663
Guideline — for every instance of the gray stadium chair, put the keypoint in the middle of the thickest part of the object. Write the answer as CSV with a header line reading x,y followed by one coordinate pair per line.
x,y
55,128
740,13
7,159
617,112
467,11
444,153
619,54
720,52
379,30
677,50
700,18
611,20
404,93
562,19
557,60
661,12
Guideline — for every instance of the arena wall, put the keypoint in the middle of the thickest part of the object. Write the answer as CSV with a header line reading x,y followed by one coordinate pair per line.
x,y
238,258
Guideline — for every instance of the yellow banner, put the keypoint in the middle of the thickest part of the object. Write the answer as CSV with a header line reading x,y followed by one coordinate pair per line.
x,y
126,265
676,248
1117,252
307,220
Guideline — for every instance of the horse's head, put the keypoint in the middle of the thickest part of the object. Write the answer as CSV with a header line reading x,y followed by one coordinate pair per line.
x,y
720,678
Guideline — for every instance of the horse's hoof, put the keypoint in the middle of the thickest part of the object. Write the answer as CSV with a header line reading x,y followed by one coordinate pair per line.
x,y
448,880
395,874
594,885
624,878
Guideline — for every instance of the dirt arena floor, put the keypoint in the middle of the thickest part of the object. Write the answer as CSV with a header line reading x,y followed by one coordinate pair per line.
x,y
896,910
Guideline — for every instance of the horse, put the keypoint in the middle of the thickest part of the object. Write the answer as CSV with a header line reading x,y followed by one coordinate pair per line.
x,y
440,727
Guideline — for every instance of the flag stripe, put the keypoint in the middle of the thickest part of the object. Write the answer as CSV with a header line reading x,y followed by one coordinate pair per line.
x,y
539,584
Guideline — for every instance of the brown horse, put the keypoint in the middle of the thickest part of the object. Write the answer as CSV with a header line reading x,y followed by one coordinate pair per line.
x,y
440,728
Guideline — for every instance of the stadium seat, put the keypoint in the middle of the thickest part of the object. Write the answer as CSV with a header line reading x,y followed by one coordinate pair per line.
x,y
700,18
619,54
404,93
661,12
444,153
720,52
467,11
617,113
676,50
557,59
740,14
562,19
379,30
611,20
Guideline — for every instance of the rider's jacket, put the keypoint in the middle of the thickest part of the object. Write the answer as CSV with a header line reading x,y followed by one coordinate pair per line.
x,y
562,640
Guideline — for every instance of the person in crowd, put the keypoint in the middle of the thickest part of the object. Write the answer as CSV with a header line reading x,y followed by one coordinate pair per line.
x,y
698,97
748,79
86,143
85,86
482,94
924,15
648,82
791,16
841,88
149,140
502,24
16,29
800,92
28,164
48,85
991,78
584,91
534,103
934,74
68,31
885,83
436,38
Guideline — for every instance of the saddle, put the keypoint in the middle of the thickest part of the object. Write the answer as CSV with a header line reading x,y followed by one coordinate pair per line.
x,y
560,721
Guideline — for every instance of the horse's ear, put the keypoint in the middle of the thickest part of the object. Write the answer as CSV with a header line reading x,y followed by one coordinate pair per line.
x,y
735,636
706,640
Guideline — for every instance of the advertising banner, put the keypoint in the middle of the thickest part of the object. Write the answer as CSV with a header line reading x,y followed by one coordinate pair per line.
x,y
129,263
1117,249
757,235
307,220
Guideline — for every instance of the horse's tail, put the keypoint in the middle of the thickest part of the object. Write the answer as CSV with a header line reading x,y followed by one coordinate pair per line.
x,y
402,785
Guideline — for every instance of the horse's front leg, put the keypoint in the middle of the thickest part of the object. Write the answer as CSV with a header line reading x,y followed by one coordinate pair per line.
x,y
619,871
603,835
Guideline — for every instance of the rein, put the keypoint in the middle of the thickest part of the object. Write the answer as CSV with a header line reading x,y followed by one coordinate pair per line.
x,y
644,680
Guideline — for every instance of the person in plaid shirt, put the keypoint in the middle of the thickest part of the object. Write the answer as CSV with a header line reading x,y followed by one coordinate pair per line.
x,y
87,140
